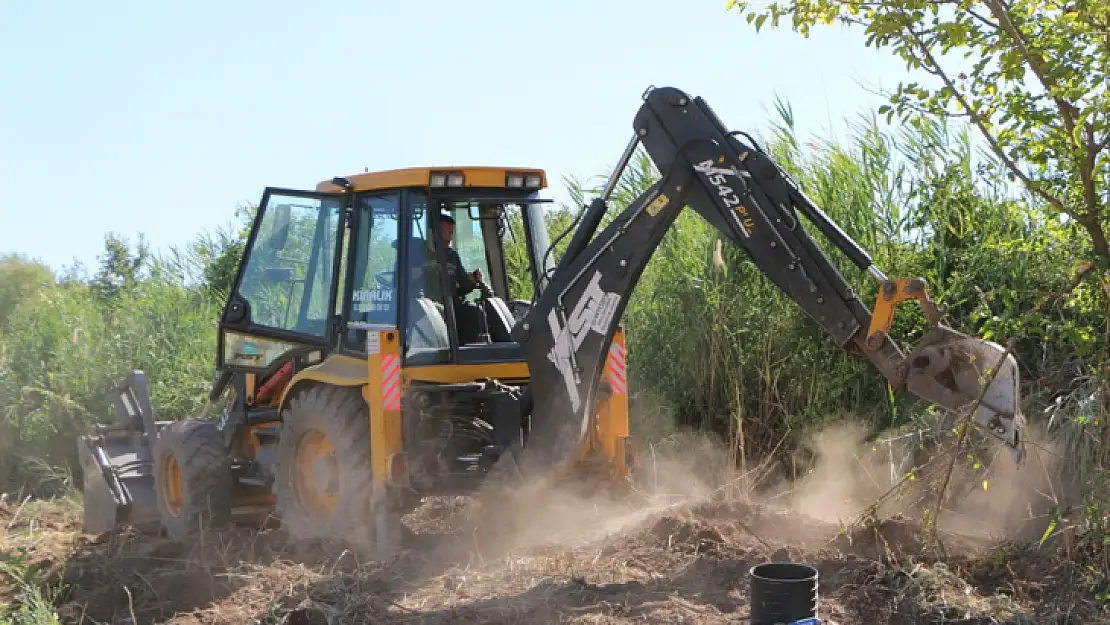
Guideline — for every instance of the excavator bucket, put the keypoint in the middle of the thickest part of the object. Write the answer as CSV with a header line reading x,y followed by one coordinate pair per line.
x,y
960,372
118,465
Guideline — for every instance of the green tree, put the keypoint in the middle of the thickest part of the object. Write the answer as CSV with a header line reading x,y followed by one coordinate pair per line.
x,y
218,254
20,278
1029,75
120,269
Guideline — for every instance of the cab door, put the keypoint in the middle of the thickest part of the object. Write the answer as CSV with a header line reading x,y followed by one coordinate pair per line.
x,y
284,295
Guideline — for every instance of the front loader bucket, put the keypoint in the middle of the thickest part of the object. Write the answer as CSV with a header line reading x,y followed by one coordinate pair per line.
x,y
118,465
118,485
950,369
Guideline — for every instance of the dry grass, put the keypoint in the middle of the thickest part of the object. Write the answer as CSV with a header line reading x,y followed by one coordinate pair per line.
x,y
678,553
668,563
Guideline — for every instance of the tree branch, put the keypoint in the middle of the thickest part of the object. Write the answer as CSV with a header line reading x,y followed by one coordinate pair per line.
x,y
1102,145
958,5
990,138
966,424
1105,143
1068,111
1055,297
983,19
1086,174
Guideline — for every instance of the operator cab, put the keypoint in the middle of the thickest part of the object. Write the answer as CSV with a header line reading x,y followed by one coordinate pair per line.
x,y
322,268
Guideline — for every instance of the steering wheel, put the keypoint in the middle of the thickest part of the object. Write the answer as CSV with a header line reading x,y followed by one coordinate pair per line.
x,y
385,278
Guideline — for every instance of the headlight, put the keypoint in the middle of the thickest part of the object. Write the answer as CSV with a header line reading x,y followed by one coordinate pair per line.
x,y
446,179
515,180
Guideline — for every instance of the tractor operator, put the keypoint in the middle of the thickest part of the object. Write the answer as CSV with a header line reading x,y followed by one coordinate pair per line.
x,y
467,315
456,274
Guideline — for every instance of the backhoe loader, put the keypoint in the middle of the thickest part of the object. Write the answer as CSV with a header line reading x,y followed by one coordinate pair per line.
x,y
358,376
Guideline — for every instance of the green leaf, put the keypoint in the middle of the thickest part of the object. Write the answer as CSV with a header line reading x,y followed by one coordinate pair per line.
x,y
1048,531
1012,89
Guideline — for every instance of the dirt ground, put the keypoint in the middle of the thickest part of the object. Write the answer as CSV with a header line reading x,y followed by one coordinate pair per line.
x,y
686,563
564,558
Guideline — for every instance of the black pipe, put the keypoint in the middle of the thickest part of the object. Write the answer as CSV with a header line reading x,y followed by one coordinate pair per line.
x,y
831,229
782,592
590,221
596,210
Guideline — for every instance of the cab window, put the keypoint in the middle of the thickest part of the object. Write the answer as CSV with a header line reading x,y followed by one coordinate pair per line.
x,y
374,293
469,241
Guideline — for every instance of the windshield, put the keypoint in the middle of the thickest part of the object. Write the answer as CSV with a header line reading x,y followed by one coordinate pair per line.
x,y
542,261
288,278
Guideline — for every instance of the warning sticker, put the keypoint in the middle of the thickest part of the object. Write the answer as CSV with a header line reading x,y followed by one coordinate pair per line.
x,y
604,312
657,204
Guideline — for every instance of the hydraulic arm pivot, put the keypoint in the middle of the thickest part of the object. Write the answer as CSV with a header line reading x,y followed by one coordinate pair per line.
x,y
741,191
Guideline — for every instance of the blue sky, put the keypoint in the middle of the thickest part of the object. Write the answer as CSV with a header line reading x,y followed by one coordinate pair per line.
x,y
160,118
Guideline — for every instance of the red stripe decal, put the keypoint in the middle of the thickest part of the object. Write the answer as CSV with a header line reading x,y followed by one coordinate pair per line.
x,y
617,369
391,382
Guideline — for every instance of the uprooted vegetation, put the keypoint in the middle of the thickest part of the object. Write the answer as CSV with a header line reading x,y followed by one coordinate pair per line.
x,y
668,555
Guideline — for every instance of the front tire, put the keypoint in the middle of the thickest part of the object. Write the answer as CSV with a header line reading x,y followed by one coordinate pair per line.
x,y
192,480
324,477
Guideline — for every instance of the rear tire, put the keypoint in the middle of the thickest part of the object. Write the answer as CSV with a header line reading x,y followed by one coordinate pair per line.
x,y
192,480
324,479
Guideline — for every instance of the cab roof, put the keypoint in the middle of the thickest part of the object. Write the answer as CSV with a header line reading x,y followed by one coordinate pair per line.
x,y
473,176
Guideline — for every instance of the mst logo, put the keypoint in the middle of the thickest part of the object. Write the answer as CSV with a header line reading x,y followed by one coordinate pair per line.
x,y
718,177
593,311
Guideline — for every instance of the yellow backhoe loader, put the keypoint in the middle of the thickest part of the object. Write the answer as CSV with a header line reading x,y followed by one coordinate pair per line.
x,y
362,364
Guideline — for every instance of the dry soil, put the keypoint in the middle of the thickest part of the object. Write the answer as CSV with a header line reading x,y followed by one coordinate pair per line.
x,y
562,558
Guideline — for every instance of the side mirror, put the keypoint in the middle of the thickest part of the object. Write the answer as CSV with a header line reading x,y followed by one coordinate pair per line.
x,y
277,274
279,235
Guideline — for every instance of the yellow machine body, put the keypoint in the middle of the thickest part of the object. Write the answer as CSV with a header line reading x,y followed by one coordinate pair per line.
x,y
607,452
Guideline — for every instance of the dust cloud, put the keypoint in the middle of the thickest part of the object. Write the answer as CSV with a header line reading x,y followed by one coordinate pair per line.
x,y
681,468
896,474
843,476
1010,501
844,480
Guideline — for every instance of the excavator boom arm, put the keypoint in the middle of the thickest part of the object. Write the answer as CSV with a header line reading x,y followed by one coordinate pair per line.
x,y
746,196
